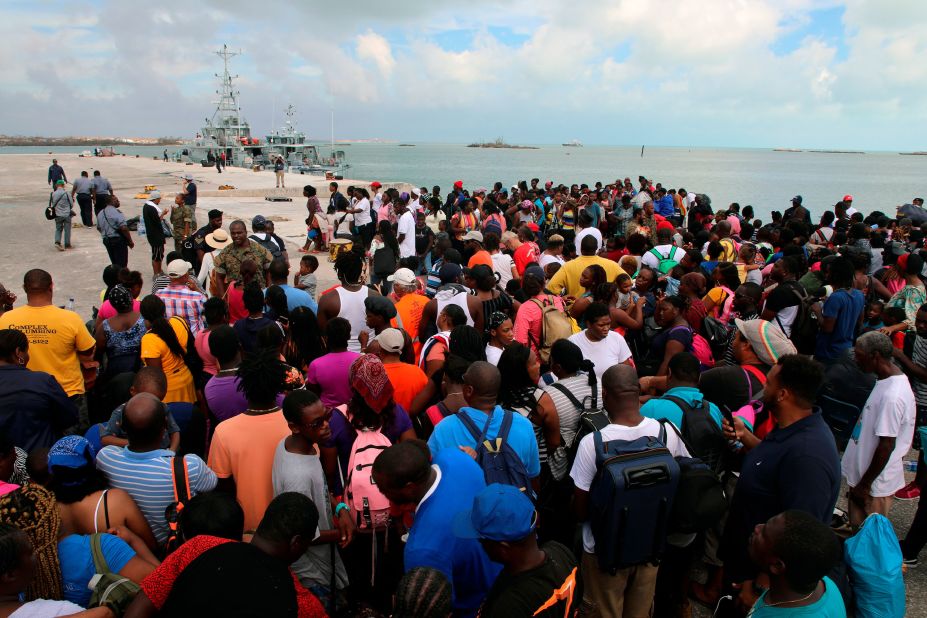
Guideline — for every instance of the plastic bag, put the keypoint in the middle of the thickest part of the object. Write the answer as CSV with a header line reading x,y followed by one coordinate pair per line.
x,y
874,559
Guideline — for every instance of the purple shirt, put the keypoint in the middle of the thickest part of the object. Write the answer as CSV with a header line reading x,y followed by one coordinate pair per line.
x,y
224,398
330,373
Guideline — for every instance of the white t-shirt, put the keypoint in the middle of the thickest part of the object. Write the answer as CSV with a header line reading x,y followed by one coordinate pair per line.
x,y
406,228
584,468
889,413
493,354
610,351
666,251
546,258
362,217
502,265
434,220
343,221
588,231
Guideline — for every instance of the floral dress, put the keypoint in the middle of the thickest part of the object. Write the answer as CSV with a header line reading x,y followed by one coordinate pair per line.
x,y
123,347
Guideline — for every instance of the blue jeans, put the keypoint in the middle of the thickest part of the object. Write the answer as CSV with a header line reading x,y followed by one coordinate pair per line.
x,y
63,224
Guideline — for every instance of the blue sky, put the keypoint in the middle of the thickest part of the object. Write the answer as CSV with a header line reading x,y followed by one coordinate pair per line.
x,y
755,73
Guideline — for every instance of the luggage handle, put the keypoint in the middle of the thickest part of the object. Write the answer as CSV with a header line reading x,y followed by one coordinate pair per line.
x,y
646,477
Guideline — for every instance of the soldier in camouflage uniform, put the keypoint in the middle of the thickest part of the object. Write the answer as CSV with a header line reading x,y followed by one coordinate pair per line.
x,y
228,261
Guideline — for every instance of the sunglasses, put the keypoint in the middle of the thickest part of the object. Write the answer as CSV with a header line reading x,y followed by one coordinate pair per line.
x,y
319,422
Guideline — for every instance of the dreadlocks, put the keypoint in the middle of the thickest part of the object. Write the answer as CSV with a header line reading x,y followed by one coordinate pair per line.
x,y
349,266
423,593
32,509
261,377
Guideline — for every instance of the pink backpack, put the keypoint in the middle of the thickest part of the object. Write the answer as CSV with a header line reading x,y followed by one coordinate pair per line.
x,y
725,314
369,505
701,349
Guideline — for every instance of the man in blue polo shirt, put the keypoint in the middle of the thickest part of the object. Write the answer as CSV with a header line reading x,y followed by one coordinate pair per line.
x,y
439,490
481,390
795,466
682,377
143,469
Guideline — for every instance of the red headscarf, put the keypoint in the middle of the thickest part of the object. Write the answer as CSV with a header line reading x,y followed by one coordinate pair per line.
x,y
369,378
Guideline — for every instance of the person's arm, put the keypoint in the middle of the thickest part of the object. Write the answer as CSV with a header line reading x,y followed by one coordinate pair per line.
x,y
673,347
100,336
581,504
152,362
910,368
579,306
549,421
428,319
861,493
124,230
827,322
175,441
141,607
879,288
133,519
424,396
111,440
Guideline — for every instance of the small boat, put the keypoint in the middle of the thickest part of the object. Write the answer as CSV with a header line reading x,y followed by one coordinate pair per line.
x,y
573,144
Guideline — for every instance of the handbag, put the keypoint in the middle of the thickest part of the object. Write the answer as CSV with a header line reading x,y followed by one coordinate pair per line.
x,y
166,228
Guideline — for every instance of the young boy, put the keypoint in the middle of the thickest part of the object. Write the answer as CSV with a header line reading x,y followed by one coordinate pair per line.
x,y
305,278
148,380
298,468
873,319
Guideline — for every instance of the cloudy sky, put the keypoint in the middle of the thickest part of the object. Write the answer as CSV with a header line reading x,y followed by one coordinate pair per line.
x,y
794,73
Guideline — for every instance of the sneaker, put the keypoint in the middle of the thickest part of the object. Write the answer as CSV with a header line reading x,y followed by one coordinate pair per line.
x,y
909,492
910,563
59,247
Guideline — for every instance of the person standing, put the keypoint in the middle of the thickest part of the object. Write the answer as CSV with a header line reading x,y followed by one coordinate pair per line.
x,y
872,462
219,162
165,155
80,190
117,238
58,339
179,299
348,300
181,222
841,313
56,173
337,202
60,200
189,195
228,262
154,230
279,168
101,190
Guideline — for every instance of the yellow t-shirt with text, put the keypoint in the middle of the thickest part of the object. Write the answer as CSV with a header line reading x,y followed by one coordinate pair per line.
x,y
55,337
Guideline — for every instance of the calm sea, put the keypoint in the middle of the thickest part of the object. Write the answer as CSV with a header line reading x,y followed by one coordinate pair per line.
x,y
761,177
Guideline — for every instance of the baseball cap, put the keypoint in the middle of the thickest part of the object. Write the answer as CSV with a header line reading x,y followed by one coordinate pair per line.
x,y
59,182
403,276
450,273
796,199
769,343
375,184
259,221
535,271
380,305
499,513
473,235
154,195
71,452
188,176
178,268
391,340
212,214
218,239
531,225
847,198
404,197
414,191
458,184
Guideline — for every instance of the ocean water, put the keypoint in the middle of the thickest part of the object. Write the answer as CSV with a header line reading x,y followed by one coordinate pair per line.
x,y
761,177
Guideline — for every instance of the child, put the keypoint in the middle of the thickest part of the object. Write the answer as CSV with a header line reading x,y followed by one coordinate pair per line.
x,y
892,316
305,278
148,380
874,315
626,297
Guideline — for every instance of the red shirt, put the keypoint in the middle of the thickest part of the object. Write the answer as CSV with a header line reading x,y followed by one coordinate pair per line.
x,y
524,255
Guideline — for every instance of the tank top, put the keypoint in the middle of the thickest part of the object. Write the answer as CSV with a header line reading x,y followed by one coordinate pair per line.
x,y
445,298
354,311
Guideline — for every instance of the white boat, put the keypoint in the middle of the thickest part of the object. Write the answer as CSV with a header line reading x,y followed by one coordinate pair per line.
x,y
573,144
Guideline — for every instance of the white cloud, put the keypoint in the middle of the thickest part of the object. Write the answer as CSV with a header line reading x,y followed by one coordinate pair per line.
x,y
372,46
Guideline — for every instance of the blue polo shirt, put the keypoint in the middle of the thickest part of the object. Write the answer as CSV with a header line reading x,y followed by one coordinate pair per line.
x,y
795,467
451,433
297,298
660,409
432,542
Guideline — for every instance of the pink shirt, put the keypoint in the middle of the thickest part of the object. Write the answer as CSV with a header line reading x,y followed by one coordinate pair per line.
x,y
201,342
528,319
106,309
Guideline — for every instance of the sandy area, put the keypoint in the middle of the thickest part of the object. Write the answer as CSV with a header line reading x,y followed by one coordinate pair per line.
x,y
27,239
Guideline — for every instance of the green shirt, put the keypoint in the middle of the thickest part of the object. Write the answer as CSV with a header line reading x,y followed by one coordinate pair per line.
x,y
229,260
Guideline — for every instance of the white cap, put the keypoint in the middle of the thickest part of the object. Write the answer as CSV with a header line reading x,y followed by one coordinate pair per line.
x,y
403,276
154,195
178,268
473,235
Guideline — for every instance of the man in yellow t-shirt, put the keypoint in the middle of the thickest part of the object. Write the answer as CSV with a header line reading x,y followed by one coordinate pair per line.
x,y
58,339
568,275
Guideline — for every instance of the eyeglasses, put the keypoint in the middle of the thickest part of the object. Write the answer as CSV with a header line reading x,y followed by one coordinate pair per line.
x,y
319,422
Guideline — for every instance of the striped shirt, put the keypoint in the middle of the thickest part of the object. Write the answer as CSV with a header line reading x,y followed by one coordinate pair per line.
x,y
578,385
919,358
147,477
181,301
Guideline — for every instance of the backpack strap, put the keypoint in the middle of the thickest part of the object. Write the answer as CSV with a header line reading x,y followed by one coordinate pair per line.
x,y
96,550
684,406
759,375
566,393
472,428
180,477
503,435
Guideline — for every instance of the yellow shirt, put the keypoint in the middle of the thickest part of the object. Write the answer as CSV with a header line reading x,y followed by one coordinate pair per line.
x,y
179,379
55,337
568,275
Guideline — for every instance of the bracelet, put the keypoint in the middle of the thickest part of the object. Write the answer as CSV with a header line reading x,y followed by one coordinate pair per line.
x,y
341,506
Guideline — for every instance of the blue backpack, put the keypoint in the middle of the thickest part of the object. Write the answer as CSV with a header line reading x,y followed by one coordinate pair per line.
x,y
499,461
631,500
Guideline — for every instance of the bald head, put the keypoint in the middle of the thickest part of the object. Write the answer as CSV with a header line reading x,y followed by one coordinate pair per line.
x,y
621,394
481,385
619,379
144,421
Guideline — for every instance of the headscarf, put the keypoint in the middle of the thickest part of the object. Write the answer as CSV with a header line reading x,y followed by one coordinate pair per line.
x,y
369,378
121,299
70,452
496,318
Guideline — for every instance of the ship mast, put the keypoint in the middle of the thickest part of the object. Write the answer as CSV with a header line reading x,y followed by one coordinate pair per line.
x,y
227,108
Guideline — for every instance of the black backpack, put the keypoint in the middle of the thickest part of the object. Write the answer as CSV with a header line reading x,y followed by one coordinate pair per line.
x,y
701,433
384,261
805,327
717,335
700,502
592,418
268,243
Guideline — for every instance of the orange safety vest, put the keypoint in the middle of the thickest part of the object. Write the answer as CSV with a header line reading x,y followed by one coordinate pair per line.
x,y
409,316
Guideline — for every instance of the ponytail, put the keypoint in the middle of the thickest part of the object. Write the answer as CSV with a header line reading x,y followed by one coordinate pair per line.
x,y
153,309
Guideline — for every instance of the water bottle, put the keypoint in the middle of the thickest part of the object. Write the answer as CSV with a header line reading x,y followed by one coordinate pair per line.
x,y
910,465
70,305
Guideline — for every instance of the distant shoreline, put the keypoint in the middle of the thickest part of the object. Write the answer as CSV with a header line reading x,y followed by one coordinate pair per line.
x,y
24,140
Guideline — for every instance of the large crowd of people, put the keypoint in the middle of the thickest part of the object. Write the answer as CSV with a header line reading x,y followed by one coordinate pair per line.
x,y
545,400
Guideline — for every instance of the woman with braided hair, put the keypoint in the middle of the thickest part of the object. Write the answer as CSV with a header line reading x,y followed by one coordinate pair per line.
x,y
18,572
423,593
65,560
